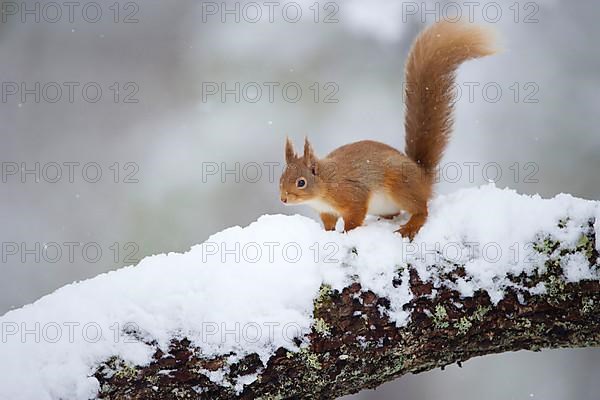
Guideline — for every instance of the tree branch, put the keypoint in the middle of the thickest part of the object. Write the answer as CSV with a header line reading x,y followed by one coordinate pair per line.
x,y
354,345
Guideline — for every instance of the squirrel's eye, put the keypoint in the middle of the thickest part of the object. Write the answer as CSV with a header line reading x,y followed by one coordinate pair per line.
x,y
301,183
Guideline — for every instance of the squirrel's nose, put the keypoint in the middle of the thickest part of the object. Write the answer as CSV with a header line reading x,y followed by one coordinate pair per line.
x,y
284,199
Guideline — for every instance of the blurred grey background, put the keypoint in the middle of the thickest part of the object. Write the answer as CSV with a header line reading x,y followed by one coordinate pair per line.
x,y
179,157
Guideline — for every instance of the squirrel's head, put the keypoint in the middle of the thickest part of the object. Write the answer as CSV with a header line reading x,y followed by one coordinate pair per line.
x,y
300,180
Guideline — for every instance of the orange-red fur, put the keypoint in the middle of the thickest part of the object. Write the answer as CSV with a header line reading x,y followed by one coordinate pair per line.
x,y
347,181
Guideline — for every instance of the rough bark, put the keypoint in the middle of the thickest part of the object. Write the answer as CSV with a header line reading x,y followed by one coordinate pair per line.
x,y
353,346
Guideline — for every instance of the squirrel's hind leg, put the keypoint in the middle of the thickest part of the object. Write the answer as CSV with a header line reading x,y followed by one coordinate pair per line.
x,y
414,224
413,199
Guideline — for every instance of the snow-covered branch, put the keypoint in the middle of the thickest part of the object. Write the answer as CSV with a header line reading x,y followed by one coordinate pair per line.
x,y
283,309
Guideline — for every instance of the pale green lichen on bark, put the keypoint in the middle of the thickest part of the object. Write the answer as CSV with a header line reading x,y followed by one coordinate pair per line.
x,y
463,325
271,397
586,245
440,317
323,297
555,289
587,306
481,312
120,369
545,246
321,327
310,359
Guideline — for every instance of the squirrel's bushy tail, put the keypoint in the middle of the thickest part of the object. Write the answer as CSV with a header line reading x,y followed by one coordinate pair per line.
x,y
430,72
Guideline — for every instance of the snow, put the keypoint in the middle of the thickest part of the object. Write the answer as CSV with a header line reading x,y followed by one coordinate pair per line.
x,y
576,268
251,289
597,227
494,231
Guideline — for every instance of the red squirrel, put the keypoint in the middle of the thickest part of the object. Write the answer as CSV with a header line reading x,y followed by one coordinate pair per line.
x,y
369,177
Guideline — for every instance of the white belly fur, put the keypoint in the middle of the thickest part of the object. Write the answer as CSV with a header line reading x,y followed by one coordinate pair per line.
x,y
321,206
381,204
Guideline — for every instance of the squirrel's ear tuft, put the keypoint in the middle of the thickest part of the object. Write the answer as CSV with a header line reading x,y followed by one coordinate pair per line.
x,y
289,151
309,156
